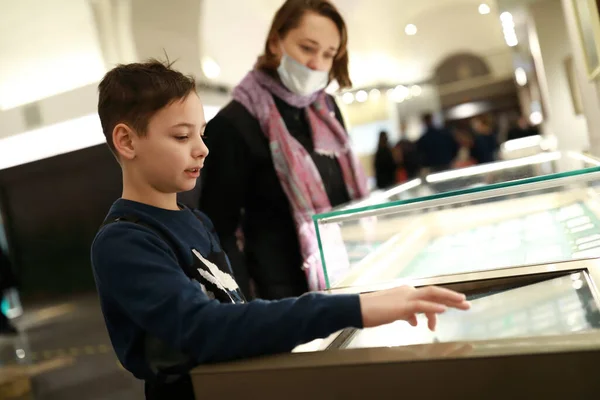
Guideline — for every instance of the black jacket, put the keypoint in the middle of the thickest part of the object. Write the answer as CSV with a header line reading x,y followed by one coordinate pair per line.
x,y
239,187
437,148
385,168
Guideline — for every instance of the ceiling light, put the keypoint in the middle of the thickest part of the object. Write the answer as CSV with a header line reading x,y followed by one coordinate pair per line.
x,y
484,9
506,17
210,68
508,27
361,96
467,110
416,90
400,93
536,118
375,94
521,76
410,29
402,90
348,98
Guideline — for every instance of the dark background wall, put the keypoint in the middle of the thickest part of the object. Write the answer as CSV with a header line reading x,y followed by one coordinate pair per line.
x,y
52,210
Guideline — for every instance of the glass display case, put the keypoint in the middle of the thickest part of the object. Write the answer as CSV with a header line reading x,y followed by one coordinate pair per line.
x,y
540,322
548,218
534,165
520,245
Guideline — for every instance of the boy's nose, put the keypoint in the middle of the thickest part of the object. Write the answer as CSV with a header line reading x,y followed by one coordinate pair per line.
x,y
200,150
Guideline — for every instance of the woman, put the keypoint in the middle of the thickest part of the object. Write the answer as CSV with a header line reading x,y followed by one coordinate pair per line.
x,y
280,153
385,164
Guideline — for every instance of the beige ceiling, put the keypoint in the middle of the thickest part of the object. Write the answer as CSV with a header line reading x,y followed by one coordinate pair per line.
x,y
46,47
233,34
50,47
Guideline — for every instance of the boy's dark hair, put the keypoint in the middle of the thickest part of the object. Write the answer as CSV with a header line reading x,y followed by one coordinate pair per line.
x,y
133,93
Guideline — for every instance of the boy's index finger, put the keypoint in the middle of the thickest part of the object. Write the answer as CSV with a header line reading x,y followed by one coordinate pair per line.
x,y
436,293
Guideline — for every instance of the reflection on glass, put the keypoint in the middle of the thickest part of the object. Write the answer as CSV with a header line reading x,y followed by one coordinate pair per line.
x,y
546,228
540,220
542,237
556,306
544,163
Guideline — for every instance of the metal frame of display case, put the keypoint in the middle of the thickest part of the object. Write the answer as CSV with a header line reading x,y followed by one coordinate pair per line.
x,y
560,366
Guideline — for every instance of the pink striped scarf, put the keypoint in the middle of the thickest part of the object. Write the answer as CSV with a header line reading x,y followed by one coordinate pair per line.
x,y
294,166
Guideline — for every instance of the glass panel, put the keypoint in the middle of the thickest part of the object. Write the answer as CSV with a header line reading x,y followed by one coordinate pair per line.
x,y
538,220
480,175
553,307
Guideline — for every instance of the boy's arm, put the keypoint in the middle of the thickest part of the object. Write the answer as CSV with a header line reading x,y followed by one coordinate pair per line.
x,y
139,271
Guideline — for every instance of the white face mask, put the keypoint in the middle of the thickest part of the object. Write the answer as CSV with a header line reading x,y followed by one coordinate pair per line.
x,y
299,78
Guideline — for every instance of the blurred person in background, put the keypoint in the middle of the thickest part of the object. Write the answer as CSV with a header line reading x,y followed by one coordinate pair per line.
x,y
400,172
385,164
280,153
7,281
436,147
407,156
521,128
464,139
485,142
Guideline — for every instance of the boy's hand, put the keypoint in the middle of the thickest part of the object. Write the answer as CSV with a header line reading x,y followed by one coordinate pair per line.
x,y
405,302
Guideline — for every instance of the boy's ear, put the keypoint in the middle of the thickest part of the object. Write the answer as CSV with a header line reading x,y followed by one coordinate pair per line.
x,y
123,139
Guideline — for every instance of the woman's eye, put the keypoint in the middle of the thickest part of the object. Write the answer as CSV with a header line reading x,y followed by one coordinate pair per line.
x,y
181,138
307,49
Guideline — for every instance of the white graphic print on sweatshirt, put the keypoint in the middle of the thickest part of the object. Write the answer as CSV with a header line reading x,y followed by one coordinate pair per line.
x,y
222,280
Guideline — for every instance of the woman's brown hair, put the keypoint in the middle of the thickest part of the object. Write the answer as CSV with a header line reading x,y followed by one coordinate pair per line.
x,y
288,17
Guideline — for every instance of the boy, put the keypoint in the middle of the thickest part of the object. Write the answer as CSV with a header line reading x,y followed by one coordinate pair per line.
x,y
165,287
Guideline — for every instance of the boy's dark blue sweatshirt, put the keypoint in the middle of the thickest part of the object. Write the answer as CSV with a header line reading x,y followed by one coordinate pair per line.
x,y
156,316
